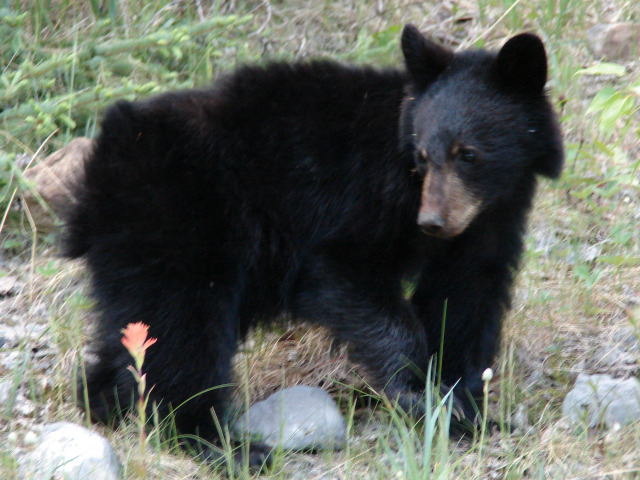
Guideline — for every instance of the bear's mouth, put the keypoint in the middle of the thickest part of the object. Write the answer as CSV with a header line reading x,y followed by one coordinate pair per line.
x,y
437,232
440,232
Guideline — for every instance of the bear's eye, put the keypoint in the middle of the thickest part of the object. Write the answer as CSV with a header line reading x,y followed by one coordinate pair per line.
x,y
467,155
421,155
421,158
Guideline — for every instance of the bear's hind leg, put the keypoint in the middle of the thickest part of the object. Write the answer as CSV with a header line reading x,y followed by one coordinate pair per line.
x,y
188,369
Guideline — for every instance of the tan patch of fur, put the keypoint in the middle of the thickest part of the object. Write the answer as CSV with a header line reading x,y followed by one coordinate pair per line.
x,y
463,206
445,195
432,194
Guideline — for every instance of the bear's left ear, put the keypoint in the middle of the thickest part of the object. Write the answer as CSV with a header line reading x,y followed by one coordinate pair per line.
x,y
425,60
521,64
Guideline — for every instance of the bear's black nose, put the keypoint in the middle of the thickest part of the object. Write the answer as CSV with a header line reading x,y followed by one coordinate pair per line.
x,y
431,223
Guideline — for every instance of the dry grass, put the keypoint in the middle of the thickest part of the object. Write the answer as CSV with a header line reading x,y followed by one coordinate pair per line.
x,y
301,355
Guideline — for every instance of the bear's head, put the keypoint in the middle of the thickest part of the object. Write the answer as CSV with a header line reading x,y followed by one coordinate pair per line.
x,y
479,125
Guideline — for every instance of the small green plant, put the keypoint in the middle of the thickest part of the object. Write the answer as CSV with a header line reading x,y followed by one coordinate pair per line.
x,y
615,106
59,80
423,452
379,47
588,275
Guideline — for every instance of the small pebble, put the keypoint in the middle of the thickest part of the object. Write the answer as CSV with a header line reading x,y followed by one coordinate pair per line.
x,y
30,438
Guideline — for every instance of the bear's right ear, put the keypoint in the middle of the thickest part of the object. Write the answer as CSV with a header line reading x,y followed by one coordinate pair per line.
x,y
424,59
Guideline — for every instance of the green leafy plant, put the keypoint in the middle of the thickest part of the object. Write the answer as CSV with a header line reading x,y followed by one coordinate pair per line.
x,y
615,106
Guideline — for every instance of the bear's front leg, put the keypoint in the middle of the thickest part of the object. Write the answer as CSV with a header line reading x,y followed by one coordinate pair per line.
x,y
371,314
468,296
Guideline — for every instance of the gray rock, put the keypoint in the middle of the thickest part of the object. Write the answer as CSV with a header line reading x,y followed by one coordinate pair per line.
x,y
583,253
608,357
12,399
602,400
53,180
615,41
70,452
15,334
23,406
6,387
9,362
296,418
8,285
632,297
627,339
520,419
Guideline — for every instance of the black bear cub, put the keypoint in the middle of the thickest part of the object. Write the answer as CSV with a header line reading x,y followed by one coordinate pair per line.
x,y
315,189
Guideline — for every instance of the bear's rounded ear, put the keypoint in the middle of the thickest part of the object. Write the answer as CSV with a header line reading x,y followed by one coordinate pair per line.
x,y
425,60
521,64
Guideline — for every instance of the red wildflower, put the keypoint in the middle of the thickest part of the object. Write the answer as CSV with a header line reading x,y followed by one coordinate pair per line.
x,y
136,342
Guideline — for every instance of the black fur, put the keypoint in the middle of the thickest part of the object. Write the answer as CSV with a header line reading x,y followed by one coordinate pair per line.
x,y
295,188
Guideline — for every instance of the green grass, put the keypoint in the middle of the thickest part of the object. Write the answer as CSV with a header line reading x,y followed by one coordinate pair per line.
x,y
63,61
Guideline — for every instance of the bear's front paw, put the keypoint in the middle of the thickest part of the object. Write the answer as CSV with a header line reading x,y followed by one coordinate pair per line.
x,y
257,457
415,404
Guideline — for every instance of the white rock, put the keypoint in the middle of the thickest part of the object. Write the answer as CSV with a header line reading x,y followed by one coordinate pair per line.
x,y
70,452
296,418
601,399
23,406
6,387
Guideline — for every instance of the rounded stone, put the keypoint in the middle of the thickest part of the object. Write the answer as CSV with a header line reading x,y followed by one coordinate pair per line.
x,y
602,400
70,452
296,418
